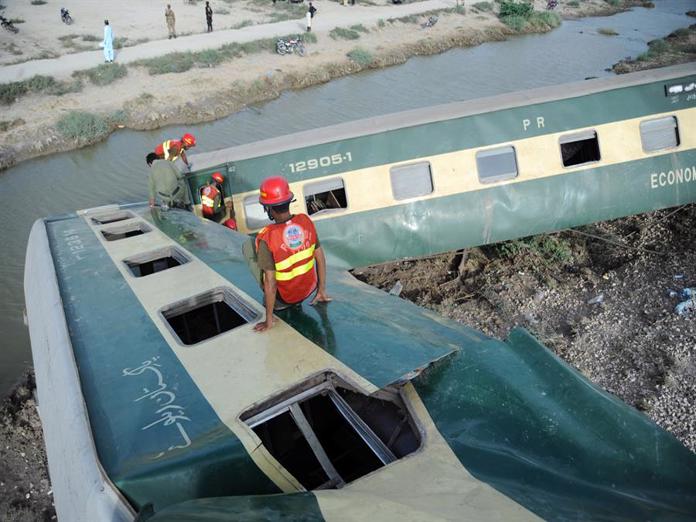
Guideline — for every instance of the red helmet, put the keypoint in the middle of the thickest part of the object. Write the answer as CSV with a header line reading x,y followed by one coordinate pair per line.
x,y
275,191
218,178
230,223
189,140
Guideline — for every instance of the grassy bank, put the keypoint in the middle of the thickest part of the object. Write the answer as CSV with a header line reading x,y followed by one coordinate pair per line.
x,y
678,47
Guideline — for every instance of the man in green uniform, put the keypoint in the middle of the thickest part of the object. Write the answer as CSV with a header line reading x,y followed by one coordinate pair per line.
x,y
167,184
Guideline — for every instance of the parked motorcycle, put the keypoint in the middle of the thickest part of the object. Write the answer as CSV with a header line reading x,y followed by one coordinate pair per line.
x,y
289,46
7,24
551,4
65,16
431,21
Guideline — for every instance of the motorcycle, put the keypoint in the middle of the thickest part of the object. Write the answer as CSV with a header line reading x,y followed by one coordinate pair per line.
x,y
290,45
551,5
65,16
7,24
432,20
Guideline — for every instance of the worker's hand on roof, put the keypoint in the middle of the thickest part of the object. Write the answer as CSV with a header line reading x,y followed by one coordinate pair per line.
x,y
265,325
321,297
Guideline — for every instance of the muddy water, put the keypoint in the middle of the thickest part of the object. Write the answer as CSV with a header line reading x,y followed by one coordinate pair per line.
x,y
114,171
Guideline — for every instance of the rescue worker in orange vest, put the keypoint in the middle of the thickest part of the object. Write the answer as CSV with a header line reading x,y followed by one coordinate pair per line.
x,y
173,149
211,202
287,252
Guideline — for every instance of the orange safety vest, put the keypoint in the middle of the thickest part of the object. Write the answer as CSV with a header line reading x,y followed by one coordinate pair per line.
x,y
162,149
292,245
211,201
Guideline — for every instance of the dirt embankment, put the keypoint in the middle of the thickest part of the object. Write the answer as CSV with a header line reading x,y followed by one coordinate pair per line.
x,y
678,47
25,490
598,296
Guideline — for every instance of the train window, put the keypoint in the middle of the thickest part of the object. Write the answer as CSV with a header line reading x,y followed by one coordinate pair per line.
x,y
325,196
157,261
410,181
579,148
207,315
255,214
328,435
496,164
662,133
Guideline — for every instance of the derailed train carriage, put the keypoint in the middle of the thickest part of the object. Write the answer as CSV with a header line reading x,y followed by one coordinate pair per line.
x,y
159,401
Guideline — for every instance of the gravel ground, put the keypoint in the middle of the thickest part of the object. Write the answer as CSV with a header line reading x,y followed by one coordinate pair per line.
x,y
598,296
25,490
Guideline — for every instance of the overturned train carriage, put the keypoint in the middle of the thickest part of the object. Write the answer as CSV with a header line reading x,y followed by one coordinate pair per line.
x,y
159,401
482,171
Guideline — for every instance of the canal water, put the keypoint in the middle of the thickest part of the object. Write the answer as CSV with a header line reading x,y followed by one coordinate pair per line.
x,y
114,171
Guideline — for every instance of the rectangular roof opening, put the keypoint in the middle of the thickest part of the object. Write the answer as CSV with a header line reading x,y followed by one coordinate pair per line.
x,y
125,231
155,261
348,433
112,217
207,315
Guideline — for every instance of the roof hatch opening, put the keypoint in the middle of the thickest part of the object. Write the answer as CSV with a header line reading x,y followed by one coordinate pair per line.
x,y
329,434
156,261
207,315
125,231
113,217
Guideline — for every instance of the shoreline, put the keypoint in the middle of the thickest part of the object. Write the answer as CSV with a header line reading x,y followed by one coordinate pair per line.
x,y
23,136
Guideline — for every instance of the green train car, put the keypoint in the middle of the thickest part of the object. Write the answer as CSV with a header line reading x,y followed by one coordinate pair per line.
x,y
160,402
478,172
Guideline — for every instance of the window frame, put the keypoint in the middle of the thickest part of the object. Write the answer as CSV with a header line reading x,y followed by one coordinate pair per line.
x,y
228,296
498,177
393,171
152,255
325,181
676,130
246,214
561,142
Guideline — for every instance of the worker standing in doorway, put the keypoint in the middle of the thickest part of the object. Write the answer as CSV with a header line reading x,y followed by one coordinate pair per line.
x,y
287,252
173,149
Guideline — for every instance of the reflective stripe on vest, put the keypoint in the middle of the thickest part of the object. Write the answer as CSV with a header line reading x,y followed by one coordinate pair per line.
x,y
297,271
165,148
295,258
206,201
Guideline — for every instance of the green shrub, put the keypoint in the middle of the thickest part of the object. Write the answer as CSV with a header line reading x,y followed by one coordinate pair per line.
x,y
381,23
361,56
17,21
169,63
38,2
516,23
91,38
359,28
83,126
343,34
209,58
103,74
607,31
542,20
10,92
511,8
309,38
65,87
483,6
573,3
614,3
657,47
221,11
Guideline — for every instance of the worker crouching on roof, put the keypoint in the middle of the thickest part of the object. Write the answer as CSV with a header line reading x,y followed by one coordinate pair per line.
x,y
172,150
167,184
287,252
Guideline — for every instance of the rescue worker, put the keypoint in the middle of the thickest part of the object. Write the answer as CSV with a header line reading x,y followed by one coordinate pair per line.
x,y
287,252
173,149
211,202
167,183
